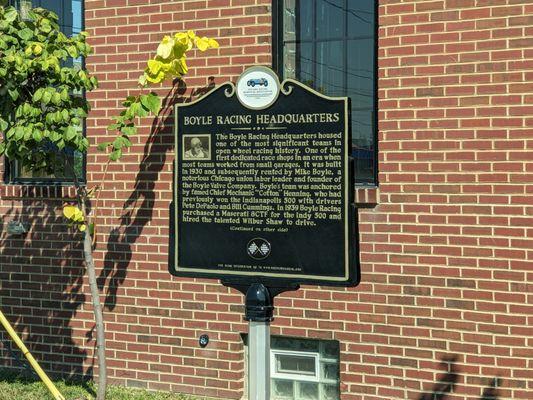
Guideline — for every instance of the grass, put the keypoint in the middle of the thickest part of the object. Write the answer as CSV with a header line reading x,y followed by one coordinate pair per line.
x,y
16,387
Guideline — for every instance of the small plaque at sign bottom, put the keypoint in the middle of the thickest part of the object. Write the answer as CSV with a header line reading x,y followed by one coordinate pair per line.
x,y
263,185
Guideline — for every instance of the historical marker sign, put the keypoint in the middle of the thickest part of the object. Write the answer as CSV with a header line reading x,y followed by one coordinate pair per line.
x,y
263,185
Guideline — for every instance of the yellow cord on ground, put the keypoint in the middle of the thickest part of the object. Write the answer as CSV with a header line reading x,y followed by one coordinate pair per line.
x,y
49,384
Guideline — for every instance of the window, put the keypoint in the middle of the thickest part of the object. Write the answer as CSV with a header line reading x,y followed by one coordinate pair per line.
x,y
70,13
301,369
304,369
330,45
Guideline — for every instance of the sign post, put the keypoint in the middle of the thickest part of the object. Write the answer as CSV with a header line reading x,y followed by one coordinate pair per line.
x,y
259,311
264,197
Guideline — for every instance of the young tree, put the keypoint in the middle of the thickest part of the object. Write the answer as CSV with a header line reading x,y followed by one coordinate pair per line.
x,y
42,108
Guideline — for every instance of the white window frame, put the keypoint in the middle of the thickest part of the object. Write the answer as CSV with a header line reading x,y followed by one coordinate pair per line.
x,y
294,376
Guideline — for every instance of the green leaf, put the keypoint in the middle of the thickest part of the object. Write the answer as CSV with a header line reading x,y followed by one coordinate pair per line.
x,y
47,96
28,131
32,17
50,118
11,14
56,98
117,144
19,132
103,146
129,130
82,74
151,102
55,136
115,155
14,93
121,142
70,133
36,112
37,136
72,51
37,49
57,117
25,34
45,25
38,95
136,110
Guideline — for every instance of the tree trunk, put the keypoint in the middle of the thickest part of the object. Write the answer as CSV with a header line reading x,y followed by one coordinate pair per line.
x,y
98,315
95,294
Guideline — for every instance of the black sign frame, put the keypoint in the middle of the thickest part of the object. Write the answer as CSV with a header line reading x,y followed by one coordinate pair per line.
x,y
351,269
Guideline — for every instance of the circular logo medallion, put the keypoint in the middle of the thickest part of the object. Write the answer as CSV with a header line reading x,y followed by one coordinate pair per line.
x,y
258,248
257,88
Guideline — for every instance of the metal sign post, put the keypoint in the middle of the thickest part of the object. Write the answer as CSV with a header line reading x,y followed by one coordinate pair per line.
x,y
259,312
259,370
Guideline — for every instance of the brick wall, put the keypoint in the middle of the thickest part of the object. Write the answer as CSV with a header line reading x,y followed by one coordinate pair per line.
x,y
447,252
445,293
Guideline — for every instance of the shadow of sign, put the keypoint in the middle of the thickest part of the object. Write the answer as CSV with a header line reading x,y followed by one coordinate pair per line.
x,y
138,209
447,382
